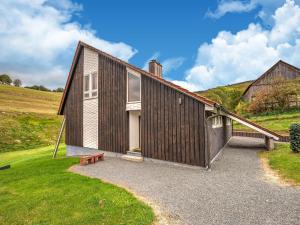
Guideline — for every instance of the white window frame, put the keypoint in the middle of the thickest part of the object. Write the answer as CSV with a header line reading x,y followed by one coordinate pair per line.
x,y
217,122
127,90
90,91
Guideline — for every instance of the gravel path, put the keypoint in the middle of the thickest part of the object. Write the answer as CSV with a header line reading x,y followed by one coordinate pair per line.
x,y
234,192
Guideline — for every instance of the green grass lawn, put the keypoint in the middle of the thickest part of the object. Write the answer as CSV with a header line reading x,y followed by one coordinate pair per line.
x,y
285,162
278,122
40,190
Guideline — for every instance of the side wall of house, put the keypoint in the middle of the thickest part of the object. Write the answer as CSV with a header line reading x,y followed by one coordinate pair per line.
x,y
113,118
218,136
265,83
73,110
172,125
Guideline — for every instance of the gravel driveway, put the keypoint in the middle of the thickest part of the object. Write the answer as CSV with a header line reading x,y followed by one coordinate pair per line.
x,y
234,192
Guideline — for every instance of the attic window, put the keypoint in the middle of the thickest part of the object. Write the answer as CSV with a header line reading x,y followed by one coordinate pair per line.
x,y
90,84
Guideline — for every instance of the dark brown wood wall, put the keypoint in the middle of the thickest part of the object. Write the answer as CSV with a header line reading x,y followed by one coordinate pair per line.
x,y
73,110
113,118
169,130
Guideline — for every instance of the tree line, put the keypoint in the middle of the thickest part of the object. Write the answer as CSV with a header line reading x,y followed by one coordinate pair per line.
x,y
7,80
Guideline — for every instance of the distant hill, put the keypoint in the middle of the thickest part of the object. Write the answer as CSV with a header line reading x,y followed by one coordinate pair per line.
x,y
238,86
228,95
27,118
16,99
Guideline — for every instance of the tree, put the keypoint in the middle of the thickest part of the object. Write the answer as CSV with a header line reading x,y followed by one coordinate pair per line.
x,y
17,82
58,90
5,79
40,88
276,96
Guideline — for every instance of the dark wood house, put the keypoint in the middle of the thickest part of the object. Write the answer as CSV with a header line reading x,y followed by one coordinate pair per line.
x,y
281,70
112,106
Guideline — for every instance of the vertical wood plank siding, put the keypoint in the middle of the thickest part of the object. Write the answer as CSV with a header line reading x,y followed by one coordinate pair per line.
x,y
218,136
113,118
171,131
73,110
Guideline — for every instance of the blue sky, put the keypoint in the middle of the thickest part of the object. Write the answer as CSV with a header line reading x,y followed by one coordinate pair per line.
x,y
201,44
160,28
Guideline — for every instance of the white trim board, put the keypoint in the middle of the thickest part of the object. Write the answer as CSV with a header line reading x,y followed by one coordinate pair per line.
x,y
253,127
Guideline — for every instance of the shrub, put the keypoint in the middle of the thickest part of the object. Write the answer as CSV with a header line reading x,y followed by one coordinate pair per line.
x,y
242,108
258,105
295,137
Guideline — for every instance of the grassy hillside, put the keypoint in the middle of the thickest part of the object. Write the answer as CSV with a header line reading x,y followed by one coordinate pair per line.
x,y
27,118
15,99
238,86
228,95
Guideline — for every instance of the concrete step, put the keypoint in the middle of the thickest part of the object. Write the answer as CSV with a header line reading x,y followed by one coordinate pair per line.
x,y
133,158
133,153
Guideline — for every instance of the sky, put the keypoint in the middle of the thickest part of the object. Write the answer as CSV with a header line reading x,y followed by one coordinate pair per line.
x,y
201,44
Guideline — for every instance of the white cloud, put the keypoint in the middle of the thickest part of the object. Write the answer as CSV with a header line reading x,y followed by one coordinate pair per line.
x,y
266,8
172,64
38,39
231,6
231,58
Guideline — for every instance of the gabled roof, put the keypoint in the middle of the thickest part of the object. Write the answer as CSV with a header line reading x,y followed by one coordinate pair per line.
x,y
81,44
269,70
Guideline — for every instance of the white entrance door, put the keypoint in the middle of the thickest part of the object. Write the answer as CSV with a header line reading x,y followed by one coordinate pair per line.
x,y
134,130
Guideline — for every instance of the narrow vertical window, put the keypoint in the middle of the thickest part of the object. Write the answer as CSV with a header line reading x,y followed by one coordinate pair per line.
x,y
94,81
133,88
86,82
94,84
86,85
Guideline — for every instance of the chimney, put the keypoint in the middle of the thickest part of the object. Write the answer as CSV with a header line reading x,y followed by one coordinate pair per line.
x,y
155,68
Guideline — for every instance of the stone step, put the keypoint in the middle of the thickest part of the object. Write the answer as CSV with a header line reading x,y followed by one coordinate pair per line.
x,y
133,158
133,153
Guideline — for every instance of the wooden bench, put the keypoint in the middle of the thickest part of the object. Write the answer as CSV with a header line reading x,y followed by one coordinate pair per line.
x,y
89,159
98,157
85,160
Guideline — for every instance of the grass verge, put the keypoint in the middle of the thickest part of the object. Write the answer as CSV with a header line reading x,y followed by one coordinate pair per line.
x,y
284,162
40,190
278,122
